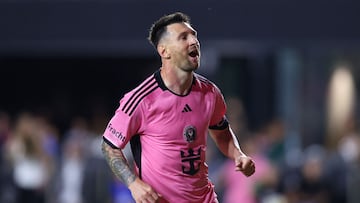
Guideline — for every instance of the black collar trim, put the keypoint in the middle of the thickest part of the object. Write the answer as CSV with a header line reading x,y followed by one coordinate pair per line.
x,y
161,83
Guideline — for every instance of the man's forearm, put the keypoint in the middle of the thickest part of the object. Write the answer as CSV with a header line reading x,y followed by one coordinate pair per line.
x,y
227,142
118,164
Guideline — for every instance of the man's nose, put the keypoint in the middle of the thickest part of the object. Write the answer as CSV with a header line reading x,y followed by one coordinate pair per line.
x,y
194,40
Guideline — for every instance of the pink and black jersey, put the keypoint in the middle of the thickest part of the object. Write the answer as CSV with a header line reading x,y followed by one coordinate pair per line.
x,y
168,134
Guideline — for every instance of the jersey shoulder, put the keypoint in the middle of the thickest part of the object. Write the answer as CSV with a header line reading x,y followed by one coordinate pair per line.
x,y
133,98
204,83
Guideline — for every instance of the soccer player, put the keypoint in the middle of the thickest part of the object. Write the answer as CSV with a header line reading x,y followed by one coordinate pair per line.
x,y
167,119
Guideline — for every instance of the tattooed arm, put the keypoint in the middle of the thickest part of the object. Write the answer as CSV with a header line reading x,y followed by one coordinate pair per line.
x,y
118,164
140,190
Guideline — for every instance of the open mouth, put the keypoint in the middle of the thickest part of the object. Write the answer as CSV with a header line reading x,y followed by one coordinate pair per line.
x,y
194,53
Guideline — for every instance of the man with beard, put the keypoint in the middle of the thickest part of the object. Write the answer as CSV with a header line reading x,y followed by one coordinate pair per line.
x,y
167,119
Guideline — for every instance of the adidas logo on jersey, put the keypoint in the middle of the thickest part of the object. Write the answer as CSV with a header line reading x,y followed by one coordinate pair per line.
x,y
186,108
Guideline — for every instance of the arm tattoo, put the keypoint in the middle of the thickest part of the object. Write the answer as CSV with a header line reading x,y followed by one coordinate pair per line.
x,y
118,164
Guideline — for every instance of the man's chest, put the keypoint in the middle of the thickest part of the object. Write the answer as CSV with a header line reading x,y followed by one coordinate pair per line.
x,y
179,118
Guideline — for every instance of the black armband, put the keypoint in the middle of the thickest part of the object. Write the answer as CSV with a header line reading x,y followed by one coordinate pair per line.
x,y
223,124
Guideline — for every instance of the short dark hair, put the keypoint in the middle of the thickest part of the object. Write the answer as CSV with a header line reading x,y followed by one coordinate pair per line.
x,y
159,27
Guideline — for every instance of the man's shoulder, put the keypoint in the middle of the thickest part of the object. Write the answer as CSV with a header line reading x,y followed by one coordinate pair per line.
x,y
146,83
145,86
203,81
133,98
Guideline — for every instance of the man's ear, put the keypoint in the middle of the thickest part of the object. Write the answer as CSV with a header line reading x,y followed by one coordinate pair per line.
x,y
163,51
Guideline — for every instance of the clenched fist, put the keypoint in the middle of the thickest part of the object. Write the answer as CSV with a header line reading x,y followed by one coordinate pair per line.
x,y
245,164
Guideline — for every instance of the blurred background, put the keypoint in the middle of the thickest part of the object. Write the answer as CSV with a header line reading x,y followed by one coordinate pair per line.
x,y
289,71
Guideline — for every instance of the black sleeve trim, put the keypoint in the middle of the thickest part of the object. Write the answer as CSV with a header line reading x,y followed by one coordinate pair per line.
x,y
110,144
222,125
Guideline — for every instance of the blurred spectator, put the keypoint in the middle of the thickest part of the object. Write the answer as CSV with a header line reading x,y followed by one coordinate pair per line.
x,y
31,163
49,139
349,150
349,144
343,165
336,172
49,136
273,142
72,162
313,185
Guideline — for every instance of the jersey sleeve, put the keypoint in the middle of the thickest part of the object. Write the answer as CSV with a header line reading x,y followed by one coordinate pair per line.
x,y
122,127
218,118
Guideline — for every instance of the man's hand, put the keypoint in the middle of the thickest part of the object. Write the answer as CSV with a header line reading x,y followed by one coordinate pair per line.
x,y
245,164
142,192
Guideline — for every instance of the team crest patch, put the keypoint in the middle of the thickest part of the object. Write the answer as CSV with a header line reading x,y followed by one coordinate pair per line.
x,y
189,133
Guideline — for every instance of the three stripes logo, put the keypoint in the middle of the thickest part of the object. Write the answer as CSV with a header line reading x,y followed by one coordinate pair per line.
x,y
186,108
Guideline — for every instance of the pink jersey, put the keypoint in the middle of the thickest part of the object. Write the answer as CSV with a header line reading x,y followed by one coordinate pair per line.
x,y
168,134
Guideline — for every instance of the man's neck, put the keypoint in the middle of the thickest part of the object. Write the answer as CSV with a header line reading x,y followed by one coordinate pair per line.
x,y
176,80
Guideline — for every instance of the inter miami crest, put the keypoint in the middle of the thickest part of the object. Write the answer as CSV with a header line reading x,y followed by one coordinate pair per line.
x,y
189,133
